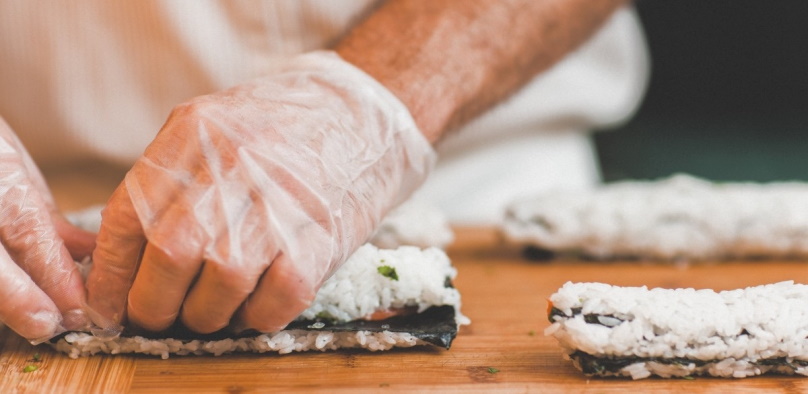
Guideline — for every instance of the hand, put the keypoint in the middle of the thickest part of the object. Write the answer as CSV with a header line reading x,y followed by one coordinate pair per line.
x,y
41,290
249,198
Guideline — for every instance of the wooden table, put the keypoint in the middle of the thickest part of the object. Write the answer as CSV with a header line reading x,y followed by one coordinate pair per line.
x,y
503,295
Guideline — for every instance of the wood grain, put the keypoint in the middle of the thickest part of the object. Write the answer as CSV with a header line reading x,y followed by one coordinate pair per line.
x,y
502,294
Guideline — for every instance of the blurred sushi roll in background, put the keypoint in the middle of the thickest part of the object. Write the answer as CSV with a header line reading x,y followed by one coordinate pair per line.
x,y
680,218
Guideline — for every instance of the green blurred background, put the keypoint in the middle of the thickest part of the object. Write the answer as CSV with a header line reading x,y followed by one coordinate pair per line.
x,y
728,95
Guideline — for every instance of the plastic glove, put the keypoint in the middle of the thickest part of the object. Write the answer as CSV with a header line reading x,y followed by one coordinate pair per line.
x,y
249,198
41,290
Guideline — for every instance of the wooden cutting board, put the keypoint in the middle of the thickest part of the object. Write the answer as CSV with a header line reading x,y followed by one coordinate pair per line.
x,y
504,348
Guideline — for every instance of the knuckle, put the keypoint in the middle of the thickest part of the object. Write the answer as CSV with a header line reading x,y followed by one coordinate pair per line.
x,y
174,251
265,320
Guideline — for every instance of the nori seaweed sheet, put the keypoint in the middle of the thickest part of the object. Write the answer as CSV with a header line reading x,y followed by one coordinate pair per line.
x,y
537,254
594,365
598,365
435,326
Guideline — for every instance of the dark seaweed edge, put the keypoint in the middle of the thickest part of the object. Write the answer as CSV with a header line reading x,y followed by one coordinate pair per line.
x,y
537,254
436,326
602,366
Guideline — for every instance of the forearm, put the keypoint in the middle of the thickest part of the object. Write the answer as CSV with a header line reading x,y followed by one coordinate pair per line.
x,y
450,60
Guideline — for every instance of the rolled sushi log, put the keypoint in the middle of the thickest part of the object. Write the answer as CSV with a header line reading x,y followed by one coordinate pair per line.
x,y
409,287
639,332
678,218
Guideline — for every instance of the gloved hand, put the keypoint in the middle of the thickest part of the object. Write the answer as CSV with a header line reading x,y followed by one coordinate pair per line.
x,y
41,290
249,198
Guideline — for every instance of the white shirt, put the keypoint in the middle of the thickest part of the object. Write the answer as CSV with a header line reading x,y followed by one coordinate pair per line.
x,y
95,79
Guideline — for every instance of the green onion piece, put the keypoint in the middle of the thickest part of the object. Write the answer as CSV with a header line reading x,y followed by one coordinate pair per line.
x,y
492,370
388,272
30,368
37,357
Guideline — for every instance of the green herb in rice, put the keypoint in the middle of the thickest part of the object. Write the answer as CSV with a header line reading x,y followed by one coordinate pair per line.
x,y
30,368
387,271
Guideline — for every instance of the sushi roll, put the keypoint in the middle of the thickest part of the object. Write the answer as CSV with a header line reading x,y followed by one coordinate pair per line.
x,y
678,218
379,299
638,332
393,295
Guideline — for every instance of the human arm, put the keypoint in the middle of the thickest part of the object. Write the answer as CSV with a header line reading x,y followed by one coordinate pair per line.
x,y
241,222
449,61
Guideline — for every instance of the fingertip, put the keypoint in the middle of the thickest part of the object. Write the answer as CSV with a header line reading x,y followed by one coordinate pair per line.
x,y
161,285
105,299
24,306
102,326
41,326
149,321
217,294
205,327
281,295
203,322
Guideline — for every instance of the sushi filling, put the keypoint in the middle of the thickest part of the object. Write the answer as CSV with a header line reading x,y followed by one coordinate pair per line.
x,y
591,318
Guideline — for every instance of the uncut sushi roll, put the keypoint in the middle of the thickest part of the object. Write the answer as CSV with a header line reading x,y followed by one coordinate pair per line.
x,y
378,300
679,218
639,332
393,292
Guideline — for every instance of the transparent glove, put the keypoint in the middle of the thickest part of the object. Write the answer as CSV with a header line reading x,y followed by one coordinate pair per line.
x,y
249,198
41,291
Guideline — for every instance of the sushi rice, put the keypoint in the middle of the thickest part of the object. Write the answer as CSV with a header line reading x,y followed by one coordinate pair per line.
x,y
639,332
